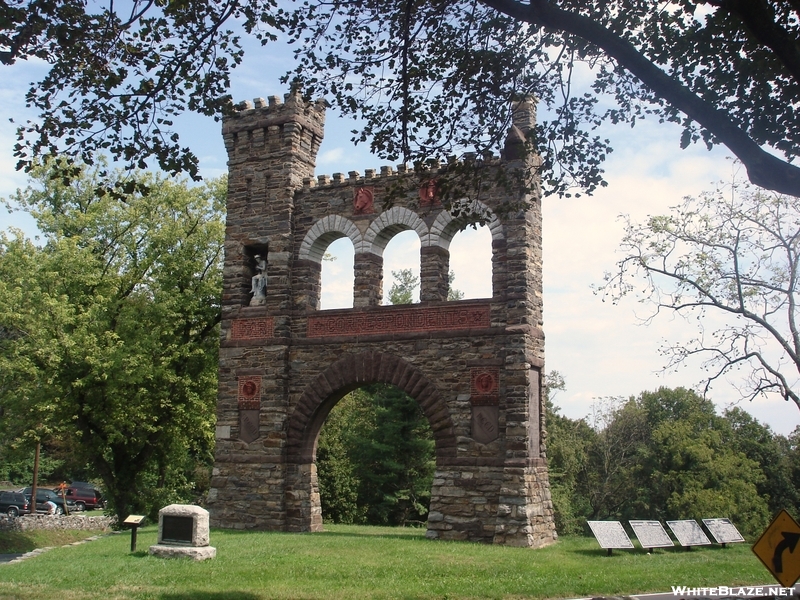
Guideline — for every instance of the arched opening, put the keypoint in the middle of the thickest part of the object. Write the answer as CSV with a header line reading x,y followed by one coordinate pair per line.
x,y
337,277
471,263
375,459
352,371
401,267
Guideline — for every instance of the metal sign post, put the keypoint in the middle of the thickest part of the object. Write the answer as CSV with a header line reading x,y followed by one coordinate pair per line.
x,y
134,521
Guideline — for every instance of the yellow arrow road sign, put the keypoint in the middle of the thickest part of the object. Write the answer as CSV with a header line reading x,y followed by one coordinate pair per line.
x,y
779,550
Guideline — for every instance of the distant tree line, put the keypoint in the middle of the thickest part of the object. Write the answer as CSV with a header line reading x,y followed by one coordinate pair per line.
x,y
660,455
667,454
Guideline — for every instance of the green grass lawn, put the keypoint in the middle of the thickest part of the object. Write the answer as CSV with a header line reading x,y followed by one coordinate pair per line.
x,y
352,562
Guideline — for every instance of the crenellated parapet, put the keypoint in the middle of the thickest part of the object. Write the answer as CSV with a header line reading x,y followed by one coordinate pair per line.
x,y
273,127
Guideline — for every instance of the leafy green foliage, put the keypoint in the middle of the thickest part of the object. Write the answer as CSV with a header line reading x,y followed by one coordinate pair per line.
x,y
429,79
110,331
375,459
667,455
438,78
16,465
119,76
691,465
406,282
402,290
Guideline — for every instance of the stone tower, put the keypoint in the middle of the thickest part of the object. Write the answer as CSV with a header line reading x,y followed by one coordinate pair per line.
x,y
474,366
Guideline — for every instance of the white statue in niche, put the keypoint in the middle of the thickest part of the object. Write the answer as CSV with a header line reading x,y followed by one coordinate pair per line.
x,y
259,282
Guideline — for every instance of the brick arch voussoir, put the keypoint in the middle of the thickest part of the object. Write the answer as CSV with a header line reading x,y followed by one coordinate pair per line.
x,y
446,225
351,372
323,232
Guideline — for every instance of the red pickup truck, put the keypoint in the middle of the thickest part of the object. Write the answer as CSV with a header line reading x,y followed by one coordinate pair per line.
x,y
84,498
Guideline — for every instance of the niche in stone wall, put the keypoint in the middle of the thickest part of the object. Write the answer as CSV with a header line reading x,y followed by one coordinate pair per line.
x,y
534,413
254,281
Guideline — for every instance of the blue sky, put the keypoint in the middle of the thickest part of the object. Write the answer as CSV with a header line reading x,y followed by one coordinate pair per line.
x,y
602,350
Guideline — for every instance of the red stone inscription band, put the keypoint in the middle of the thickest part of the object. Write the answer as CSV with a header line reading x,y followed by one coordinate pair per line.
x,y
399,320
252,329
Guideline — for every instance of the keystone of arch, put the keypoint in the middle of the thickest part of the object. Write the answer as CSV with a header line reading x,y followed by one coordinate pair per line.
x,y
325,231
446,225
351,372
388,224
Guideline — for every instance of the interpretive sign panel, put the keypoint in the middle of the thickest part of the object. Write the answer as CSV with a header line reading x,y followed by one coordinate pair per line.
x,y
689,533
610,534
723,531
651,534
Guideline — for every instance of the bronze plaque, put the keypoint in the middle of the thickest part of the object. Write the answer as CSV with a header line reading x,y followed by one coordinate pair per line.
x,y
485,427
177,529
249,425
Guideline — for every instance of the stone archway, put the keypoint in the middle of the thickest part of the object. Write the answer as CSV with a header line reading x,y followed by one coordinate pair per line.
x,y
474,366
322,394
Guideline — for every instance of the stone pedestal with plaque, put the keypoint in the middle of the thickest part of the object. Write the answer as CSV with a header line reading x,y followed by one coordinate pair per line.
x,y
183,532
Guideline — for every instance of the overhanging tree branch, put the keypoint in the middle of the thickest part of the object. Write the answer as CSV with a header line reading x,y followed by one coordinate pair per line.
x,y
764,169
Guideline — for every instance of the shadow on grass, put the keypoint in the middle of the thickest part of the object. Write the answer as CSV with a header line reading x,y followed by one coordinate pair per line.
x,y
600,552
17,542
354,534
408,534
209,596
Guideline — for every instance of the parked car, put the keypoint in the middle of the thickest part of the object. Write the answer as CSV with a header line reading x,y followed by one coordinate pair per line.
x,y
99,499
85,498
14,504
43,495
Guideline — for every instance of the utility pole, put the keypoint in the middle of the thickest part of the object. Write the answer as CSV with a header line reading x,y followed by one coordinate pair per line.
x,y
35,477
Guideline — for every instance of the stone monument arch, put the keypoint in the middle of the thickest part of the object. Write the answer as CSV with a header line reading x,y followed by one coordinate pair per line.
x,y
474,366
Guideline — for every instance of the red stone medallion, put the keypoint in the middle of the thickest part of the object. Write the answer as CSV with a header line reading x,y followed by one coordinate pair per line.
x,y
484,381
363,200
250,392
428,193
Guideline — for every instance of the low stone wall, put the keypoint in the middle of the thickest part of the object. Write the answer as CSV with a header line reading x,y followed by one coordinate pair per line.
x,y
52,522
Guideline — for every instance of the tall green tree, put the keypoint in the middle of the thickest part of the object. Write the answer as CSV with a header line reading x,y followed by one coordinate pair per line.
x,y
338,473
110,330
430,78
405,283
664,455
688,465
403,286
568,442
375,459
774,454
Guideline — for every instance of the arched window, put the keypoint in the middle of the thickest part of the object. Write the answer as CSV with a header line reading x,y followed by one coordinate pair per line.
x,y
401,269
471,263
336,281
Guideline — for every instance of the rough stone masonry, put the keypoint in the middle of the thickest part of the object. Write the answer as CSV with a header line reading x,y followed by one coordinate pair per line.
x,y
474,366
